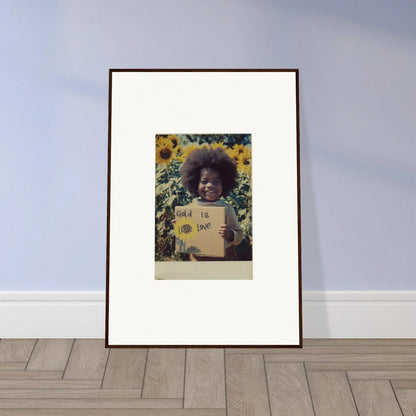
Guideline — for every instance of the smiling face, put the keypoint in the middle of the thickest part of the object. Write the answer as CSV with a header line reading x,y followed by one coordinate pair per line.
x,y
210,185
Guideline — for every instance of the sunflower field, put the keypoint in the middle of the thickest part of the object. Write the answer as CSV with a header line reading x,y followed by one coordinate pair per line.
x,y
171,151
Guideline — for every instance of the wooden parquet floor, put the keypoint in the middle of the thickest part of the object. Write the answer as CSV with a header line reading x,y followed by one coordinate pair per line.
x,y
326,378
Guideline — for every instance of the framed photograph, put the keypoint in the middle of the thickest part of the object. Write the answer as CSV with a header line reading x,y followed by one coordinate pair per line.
x,y
203,212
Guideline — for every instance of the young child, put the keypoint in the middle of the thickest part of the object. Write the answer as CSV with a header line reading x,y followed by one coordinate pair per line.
x,y
210,174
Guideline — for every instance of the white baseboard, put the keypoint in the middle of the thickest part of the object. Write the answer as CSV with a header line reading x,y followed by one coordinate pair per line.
x,y
341,314
359,314
52,314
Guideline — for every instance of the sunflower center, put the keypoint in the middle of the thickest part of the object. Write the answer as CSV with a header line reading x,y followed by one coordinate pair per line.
x,y
186,228
165,153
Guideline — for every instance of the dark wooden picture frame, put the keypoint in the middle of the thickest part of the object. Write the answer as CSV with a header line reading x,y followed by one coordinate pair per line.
x,y
142,312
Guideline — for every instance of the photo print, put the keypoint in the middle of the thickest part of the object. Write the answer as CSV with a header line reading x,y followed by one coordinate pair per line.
x,y
203,204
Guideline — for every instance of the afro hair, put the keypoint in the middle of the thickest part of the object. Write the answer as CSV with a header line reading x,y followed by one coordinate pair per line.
x,y
208,158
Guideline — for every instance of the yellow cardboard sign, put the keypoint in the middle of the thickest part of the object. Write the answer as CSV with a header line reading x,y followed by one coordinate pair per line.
x,y
196,230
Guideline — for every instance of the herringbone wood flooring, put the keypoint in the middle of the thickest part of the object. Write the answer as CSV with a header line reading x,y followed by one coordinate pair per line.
x,y
327,377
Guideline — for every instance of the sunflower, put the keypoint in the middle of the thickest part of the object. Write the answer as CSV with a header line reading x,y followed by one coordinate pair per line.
x,y
239,148
160,139
164,151
186,151
185,229
244,160
233,154
174,139
178,149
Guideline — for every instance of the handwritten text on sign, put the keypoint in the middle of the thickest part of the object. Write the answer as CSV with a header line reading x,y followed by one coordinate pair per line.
x,y
196,230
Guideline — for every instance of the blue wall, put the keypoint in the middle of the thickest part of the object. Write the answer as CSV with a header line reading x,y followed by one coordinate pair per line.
x,y
357,62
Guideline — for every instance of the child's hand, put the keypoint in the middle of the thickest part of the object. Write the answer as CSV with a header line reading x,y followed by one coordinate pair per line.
x,y
226,232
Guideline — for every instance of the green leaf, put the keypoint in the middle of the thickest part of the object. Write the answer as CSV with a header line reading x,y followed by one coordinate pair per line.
x,y
193,249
